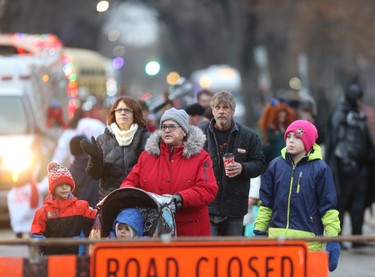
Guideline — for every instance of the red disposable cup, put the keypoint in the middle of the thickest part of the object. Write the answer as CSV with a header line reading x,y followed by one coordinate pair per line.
x,y
228,158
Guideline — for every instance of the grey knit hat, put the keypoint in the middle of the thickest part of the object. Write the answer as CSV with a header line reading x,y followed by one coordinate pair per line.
x,y
178,116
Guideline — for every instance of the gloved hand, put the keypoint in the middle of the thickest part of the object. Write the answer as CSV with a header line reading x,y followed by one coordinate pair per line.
x,y
333,249
178,201
36,236
259,233
42,249
91,148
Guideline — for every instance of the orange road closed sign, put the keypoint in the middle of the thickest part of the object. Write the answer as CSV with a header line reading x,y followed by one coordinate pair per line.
x,y
200,259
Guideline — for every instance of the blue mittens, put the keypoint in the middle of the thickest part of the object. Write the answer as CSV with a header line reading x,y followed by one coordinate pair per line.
x,y
333,249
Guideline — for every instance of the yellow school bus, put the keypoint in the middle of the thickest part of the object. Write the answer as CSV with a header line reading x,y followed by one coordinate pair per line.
x,y
86,70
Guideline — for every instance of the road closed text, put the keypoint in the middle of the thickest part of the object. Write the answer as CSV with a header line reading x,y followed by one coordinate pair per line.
x,y
201,259
203,267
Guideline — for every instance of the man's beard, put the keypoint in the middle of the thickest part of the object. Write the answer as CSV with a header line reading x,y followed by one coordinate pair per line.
x,y
223,122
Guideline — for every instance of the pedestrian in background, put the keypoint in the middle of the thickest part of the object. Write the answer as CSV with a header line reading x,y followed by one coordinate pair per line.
x,y
207,116
298,195
86,187
275,118
195,112
350,152
62,215
204,98
80,124
114,153
174,163
253,207
148,116
306,111
55,115
224,135
23,200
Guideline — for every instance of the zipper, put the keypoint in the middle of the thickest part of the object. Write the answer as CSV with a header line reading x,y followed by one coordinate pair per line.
x,y
289,197
205,166
125,160
171,153
299,182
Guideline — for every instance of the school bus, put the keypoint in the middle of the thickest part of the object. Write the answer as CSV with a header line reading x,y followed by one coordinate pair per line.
x,y
86,70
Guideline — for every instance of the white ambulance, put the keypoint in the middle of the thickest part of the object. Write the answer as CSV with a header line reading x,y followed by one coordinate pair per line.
x,y
26,145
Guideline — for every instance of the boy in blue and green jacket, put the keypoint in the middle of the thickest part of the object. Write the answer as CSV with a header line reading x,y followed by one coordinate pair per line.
x,y
298,194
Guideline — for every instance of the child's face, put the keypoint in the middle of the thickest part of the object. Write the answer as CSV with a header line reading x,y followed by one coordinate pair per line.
x,y
123,231
62,191
294,145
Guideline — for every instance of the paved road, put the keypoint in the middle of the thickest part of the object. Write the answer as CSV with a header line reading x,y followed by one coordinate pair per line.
x,y
358,262
14,251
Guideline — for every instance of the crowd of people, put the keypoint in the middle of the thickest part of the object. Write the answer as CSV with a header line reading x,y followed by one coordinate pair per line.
x,y
302,191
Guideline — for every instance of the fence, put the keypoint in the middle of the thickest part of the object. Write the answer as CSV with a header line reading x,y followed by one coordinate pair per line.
x,y
71,265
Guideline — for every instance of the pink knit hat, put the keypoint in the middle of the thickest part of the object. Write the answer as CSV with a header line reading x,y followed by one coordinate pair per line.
x,y
57,174
305,130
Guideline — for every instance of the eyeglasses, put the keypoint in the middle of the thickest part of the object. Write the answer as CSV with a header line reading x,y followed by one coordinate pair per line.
x,y
171,127
125,110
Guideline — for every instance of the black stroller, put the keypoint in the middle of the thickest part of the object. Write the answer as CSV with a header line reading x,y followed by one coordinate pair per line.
x,y
157,211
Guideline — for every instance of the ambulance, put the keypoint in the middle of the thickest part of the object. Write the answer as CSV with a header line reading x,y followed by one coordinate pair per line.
x,y
31,80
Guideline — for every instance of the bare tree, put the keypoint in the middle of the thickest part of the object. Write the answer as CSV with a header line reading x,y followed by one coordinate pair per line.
x,y
75,22
337,36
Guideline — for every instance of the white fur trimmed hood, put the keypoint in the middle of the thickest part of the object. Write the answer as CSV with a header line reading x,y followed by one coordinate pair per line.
x,y
192,146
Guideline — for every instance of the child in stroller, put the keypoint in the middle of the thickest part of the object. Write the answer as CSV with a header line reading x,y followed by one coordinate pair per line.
x,y
128,224
156,212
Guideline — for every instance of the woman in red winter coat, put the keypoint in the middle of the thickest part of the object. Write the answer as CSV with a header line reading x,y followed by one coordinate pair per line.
x,y
175,163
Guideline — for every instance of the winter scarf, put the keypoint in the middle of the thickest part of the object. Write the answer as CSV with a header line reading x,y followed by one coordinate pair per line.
x,y
124,138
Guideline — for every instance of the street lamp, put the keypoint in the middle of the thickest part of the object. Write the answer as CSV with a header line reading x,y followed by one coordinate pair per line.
x,y
102,6
152,68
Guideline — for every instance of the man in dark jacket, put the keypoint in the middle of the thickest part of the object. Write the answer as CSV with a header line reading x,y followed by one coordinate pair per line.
x,y
224,135
350,154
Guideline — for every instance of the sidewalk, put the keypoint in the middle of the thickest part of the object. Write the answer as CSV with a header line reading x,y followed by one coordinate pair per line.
x,y
368,227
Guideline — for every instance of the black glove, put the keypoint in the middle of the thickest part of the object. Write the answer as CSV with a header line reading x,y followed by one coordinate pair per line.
x,y
178,201
91,148
258,233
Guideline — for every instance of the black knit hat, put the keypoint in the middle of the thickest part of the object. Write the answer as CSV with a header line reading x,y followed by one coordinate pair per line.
x,y
75,147
195,109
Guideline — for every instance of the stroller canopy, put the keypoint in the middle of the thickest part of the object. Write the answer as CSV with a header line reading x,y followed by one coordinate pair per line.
x,y
155,210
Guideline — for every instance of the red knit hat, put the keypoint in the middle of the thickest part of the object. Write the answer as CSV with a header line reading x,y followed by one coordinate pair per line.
x,y
305,130
57,174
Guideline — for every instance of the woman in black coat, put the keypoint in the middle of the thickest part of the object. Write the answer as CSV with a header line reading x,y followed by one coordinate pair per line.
x,y
114,153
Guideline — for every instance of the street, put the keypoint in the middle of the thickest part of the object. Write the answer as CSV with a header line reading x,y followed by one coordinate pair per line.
x,y
358,262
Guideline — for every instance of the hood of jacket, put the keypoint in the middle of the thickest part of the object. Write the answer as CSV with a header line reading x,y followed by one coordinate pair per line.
x,y
132,217
54,203
314,154
192,146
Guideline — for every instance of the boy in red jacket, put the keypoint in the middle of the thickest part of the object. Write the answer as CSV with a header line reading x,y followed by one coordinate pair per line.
x,y
62,215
